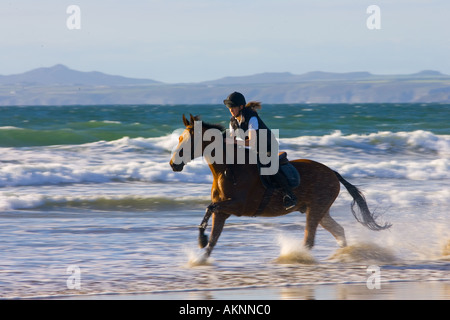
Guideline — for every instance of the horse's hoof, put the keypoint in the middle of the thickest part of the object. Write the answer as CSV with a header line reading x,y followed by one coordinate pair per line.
x,y
202,241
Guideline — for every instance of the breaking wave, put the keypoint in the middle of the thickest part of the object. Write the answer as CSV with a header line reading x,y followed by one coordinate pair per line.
x,y
106,161
101,202
418,141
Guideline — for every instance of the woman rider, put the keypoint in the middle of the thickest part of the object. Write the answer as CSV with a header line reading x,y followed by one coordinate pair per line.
x,y
245,117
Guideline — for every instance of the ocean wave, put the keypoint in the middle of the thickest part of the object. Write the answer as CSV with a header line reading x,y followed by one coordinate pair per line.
x,y
39,174
34,174
65,171
418,141
438,169
101,202
147,159
21,137
164,143
73,134
10,128
141,196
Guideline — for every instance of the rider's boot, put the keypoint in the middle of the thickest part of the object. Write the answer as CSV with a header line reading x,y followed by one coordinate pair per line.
x,y
289,198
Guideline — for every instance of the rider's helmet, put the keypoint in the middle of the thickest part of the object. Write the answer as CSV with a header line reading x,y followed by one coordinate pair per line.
x,y
235,99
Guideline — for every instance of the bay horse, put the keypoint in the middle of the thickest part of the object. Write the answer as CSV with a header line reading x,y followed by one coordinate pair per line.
x,y
243,194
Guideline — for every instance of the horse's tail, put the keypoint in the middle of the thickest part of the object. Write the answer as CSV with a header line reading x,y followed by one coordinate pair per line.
x,y
365,217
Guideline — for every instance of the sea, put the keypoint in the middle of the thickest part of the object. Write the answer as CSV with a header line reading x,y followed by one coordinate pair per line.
x,y
90,206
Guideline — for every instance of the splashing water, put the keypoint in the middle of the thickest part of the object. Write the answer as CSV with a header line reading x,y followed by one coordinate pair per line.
x,y
364,252
446,249
197,258
293,251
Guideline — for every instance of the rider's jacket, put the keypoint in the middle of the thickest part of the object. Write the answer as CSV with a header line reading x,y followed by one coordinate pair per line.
x,y
246,115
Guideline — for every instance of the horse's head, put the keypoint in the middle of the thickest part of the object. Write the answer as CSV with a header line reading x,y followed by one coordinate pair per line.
x,y
184,152
195,139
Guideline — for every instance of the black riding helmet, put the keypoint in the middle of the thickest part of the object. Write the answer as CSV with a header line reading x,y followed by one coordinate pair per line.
x,y
235,99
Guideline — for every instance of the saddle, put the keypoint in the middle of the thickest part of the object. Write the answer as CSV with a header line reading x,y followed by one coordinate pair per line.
x,y
287,169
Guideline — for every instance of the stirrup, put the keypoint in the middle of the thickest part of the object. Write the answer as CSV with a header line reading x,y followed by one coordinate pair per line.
x,y
289,202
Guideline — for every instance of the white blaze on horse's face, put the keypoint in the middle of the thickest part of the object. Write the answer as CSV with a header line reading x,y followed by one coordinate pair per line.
x,y
181,155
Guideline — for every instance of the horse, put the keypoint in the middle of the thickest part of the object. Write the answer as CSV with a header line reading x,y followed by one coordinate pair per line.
x,y
243,193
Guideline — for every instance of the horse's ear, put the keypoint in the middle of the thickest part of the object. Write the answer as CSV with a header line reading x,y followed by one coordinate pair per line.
x,y
185,121
195,118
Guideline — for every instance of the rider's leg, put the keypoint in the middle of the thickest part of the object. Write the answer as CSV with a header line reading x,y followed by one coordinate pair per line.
x,y
289,198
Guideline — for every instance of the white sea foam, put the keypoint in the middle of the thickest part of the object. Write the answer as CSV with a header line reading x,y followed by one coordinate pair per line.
x,y
196,171
418,141
10,128
103,161
14,202
57,169
438,169
147,160
113,196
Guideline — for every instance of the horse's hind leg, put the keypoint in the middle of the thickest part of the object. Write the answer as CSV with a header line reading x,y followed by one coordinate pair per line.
x,y
313,217
328,223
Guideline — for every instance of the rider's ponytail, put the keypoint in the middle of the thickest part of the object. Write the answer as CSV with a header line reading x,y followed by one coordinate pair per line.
x,y
254,105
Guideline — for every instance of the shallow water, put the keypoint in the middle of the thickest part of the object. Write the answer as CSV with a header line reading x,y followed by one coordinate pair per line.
x,y
99,210
153,252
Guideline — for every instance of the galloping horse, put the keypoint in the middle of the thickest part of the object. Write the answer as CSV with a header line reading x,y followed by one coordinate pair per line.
x,y
242,196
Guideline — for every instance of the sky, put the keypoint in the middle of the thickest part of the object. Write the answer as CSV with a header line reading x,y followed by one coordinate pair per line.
x,y
179,41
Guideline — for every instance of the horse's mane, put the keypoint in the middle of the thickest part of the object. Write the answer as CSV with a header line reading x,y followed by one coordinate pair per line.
x,y
208,125
217,126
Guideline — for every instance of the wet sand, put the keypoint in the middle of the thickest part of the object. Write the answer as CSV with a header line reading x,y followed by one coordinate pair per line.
x,y
401,290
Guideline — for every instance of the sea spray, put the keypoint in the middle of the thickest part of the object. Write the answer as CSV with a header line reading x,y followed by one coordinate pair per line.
x,y
363,252
418,235
293,251
197,258
446,250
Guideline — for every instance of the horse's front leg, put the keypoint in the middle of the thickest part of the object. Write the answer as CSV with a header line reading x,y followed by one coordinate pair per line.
x,y
220,212
218,219
228,207
202,238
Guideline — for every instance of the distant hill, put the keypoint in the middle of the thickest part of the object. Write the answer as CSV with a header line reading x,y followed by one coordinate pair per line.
x,y
287,77
60,75
59,85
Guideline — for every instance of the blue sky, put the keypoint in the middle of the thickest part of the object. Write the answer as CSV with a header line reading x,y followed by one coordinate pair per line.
x,y
198,40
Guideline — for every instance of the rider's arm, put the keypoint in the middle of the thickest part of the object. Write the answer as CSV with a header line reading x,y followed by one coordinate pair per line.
x,y
230,138
251,139
252,127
